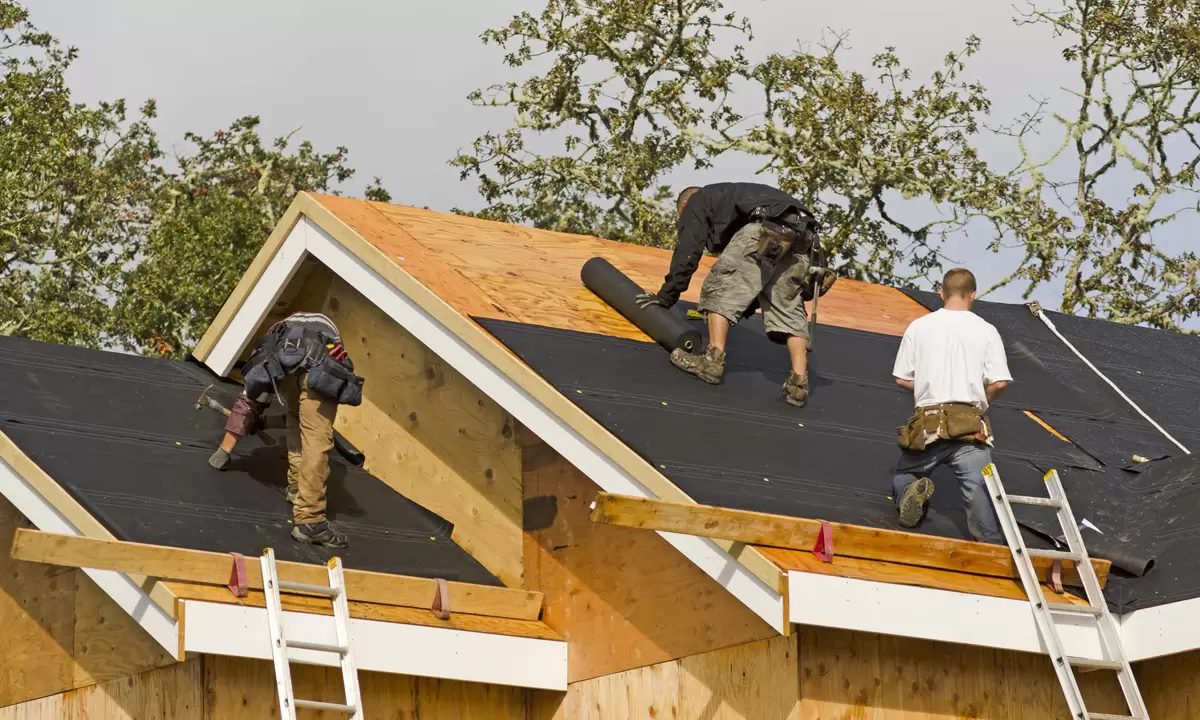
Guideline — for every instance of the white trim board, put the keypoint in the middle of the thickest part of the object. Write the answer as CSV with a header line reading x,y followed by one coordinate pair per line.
x,y
944,615
221,629
132,599
556,433
1161,630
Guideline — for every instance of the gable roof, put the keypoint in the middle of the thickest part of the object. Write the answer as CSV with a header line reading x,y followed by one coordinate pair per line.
x,y
505,307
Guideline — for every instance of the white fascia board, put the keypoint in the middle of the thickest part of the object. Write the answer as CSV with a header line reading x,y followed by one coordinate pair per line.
x,y
261,298
943,615
126,593
556,433
1162,630
224,629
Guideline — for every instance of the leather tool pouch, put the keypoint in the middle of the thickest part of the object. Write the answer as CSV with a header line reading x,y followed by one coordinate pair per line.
x,y
774,242
336,381
943,422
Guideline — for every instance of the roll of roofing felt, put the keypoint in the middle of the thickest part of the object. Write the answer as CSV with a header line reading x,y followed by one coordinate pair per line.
x,y
347,450
616,289
1124,556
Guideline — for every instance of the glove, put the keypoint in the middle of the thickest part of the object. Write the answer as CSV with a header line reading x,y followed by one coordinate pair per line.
x,y
219,460
645,300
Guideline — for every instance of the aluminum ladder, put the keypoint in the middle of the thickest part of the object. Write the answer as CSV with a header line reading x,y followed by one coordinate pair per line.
x,y
1096,611
336,592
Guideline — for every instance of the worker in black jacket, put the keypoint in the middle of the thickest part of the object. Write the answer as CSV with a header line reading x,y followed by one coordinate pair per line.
x,y
766,241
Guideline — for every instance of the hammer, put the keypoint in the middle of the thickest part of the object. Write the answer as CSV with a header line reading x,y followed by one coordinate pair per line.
x,y
205,401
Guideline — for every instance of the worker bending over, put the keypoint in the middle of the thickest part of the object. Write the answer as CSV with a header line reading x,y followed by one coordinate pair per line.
x,y
302,360
766,241
953,362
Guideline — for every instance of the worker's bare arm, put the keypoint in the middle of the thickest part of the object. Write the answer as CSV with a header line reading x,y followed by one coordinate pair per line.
x,y
906,384
994,389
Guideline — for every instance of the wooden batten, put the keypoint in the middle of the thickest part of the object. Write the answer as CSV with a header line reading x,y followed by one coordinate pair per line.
x,y
853,541
212,568
621,598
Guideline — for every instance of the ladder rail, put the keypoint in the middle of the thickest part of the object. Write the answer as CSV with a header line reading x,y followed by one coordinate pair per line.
x,y
341,621
1109,631
283,671
1033,591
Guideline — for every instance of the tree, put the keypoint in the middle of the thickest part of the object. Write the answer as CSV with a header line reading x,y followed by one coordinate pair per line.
x,y
75,184
209,220
857,153
1127,166
625,80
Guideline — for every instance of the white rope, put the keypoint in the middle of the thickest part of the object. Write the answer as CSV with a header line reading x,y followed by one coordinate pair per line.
x,y
1036,309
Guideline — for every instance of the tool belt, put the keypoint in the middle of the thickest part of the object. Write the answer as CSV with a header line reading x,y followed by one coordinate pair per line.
x,y
286,350
950,421
789,232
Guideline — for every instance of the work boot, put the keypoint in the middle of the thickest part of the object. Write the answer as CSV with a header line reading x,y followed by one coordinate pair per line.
x,y
913,501
795,390
219,460
293,492
321,533
709,366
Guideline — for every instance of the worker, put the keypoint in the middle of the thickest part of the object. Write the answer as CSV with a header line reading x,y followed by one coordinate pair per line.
x,y
301,359
766,241
953,362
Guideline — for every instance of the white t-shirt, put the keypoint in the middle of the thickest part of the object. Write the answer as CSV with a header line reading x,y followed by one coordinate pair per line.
x,y
951,355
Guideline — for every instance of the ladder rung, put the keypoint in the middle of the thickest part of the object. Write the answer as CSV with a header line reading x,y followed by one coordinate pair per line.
x,y
311,589
1074,609
1106,716
1054,555
1094,664
331,707
1040,502
319,647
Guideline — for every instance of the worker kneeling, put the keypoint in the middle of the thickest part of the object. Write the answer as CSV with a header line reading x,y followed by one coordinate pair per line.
x,y
767,242
953,362
302,359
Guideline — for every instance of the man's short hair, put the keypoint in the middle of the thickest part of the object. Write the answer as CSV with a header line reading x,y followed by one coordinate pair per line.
x,y
959,282
685,195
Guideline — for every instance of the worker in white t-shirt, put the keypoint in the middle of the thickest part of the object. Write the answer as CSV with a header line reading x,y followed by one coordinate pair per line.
x,y
953,362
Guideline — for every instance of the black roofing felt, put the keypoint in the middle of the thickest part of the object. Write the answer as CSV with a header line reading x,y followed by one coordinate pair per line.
x,y
122,435
739,445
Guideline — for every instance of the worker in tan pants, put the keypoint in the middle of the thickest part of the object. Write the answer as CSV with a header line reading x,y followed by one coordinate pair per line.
x,y
310,420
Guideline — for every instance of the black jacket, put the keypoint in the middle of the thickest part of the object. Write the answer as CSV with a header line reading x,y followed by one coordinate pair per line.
x,y
710,219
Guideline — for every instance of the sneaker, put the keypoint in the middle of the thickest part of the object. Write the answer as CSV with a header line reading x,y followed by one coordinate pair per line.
x,y
321,533
291,494
795,390
912,502
709,366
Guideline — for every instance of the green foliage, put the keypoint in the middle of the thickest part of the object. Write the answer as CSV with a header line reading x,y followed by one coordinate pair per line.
x,y
75,184
209,220
624,82
1127,166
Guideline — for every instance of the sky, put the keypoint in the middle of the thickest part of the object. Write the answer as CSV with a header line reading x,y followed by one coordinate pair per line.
x,y
389,80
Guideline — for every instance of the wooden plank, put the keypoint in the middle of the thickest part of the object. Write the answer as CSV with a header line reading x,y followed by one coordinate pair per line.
x,y
756,680
620,598
257,267
864,676
800,533
371,611
507,363
213,568
426,431
900,574
1171,685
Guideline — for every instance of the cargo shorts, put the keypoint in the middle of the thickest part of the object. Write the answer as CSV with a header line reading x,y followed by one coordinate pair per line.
x,y
737,278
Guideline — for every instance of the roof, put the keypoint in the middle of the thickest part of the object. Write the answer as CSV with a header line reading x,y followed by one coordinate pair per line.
x,y
504,305
106,453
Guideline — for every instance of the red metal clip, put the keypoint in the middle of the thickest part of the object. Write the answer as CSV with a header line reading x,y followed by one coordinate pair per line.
x,y
441,601
824,547
237,576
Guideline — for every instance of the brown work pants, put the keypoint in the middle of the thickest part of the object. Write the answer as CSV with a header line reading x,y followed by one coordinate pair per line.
x,y
309,439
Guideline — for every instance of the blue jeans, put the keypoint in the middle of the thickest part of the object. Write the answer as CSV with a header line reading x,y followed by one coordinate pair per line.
x,y
967,460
